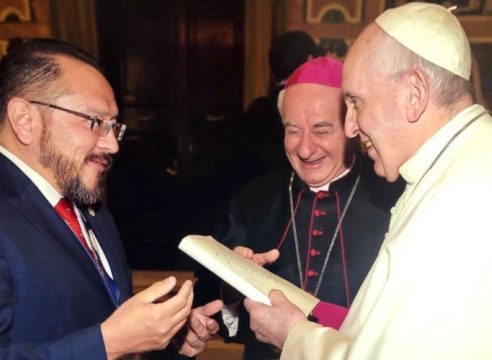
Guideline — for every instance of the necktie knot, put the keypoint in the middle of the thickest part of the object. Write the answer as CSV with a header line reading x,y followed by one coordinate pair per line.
x,y
65,209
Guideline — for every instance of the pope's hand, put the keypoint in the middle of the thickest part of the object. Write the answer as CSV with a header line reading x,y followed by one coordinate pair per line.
x,y
271,324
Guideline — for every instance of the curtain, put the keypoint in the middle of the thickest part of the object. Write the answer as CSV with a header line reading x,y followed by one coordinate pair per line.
x,y
74,21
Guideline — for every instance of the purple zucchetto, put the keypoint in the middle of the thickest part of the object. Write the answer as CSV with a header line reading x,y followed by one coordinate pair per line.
x,y
324,70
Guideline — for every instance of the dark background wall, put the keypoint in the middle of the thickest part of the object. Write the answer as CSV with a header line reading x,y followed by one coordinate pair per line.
x,y
183,71
177,68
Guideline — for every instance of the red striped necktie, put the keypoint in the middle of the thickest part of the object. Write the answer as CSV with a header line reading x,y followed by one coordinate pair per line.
x,y
65,209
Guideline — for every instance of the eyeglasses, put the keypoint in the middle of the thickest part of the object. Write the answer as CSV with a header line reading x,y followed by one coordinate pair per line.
x,y
99,126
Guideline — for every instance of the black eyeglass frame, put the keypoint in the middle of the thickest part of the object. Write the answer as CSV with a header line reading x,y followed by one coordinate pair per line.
x,y
118,128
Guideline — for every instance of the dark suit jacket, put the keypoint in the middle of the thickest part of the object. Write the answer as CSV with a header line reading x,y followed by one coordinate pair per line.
x,y
52,299
258,217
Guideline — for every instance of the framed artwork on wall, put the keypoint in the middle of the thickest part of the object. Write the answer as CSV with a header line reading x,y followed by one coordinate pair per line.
x,y
22,19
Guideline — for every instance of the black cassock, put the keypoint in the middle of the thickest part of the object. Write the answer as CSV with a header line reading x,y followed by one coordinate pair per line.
x,y
259,217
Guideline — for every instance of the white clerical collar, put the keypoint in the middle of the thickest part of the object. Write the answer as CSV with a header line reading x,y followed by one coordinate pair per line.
x,y
41,183
415,167
326,187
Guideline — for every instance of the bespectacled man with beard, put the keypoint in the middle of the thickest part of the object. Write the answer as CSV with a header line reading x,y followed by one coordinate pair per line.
x,y
64,282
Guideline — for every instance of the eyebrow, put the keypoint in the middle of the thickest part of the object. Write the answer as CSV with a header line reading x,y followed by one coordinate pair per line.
x,y
101,114
288,123
323,124
317,125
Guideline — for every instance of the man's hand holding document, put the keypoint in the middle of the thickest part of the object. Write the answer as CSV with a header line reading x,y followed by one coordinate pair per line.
x,y
243,274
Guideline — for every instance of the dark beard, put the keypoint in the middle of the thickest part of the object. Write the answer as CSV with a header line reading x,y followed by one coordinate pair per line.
x,y
68,176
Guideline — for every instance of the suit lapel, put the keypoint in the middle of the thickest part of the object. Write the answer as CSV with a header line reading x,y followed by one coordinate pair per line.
x,y
37,211
42,215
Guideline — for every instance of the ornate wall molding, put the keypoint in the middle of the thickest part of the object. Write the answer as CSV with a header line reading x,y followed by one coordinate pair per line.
x,y
23,19
15,11
330,11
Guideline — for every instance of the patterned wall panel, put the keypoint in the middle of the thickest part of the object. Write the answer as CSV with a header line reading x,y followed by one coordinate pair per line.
x,y
22,19
330,12
333,23
15,11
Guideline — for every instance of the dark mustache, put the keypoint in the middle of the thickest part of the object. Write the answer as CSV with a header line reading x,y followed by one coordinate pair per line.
x,y
106,158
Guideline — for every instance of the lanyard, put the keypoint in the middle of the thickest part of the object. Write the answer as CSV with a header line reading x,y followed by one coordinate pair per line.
x,y
110,284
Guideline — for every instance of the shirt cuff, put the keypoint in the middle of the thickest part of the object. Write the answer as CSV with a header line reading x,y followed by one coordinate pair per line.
x,y
230,316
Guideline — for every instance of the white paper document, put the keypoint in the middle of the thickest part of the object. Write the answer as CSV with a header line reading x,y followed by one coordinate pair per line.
x,y
250,279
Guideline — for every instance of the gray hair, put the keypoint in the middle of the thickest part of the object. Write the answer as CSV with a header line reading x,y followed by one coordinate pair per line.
x,y
446,87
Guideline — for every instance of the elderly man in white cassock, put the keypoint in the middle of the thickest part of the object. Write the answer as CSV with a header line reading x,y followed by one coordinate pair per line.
x,y
428,294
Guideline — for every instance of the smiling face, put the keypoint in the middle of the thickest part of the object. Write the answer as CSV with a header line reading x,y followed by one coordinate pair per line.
x,y
74,158
314,141
374,102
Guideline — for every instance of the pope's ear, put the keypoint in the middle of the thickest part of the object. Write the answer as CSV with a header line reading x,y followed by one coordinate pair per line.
x,y
20,117
418,94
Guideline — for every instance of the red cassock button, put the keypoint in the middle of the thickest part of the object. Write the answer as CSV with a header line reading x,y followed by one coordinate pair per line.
x,y
317,232
318,212
312,273
314,252
322,194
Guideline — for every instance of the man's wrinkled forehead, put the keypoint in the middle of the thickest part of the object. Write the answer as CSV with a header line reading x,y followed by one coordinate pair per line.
x,y
322,105
362,62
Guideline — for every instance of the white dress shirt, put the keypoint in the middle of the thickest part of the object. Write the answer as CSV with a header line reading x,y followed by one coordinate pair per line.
x,y
53,198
